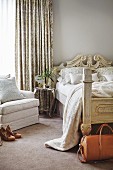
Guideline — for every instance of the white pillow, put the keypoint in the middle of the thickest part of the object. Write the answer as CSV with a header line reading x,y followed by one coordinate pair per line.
x,y
75,78
109,77
101,72
64,80
4,76
95,77
9,90
73,70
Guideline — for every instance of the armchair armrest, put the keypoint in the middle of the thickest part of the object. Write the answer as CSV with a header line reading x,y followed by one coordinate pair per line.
x,y
27,94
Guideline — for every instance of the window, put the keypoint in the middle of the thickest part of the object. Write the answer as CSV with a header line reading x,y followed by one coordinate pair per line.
x,y
7,37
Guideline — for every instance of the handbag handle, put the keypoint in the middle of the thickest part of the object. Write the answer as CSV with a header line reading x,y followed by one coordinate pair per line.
x,y
101,128
100,134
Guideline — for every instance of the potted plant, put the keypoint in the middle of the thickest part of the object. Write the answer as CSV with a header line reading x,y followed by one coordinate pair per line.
x,y
45,78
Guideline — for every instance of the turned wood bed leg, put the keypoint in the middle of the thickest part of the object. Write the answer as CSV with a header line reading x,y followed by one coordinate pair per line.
x,y
86,99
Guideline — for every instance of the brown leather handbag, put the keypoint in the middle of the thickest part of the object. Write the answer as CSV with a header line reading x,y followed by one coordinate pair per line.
x,y
96,147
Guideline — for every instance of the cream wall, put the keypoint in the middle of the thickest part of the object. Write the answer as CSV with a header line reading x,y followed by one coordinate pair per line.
x,y
82,26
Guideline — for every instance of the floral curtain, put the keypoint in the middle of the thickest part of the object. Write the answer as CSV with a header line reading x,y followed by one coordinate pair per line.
x,y
34,40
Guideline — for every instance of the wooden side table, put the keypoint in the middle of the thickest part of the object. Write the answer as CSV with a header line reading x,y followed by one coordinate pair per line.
x,y
46,98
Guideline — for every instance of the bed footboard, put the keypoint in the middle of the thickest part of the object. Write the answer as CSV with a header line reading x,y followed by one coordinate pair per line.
x,y
95,110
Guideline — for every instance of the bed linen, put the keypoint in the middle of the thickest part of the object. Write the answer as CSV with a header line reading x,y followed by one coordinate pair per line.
x,y
64,89
72,114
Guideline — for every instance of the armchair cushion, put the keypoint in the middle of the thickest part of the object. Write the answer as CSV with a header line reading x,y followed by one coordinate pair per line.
x,y
27,94
18,105
9,90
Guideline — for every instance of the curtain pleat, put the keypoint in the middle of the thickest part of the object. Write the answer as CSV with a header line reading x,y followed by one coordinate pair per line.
x,y
34,40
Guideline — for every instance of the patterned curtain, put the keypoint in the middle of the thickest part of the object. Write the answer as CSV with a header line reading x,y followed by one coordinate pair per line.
x,y
34,40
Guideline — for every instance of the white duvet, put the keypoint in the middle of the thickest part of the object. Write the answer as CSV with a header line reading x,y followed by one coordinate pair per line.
x,y
72,114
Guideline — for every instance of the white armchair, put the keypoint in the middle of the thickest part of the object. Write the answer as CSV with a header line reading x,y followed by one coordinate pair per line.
x,y
20,113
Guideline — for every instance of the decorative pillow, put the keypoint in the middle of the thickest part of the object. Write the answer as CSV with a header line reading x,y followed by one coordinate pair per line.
x,y
101,72
94,77
75,78
73,70
4,76
109,77
9,90
64,80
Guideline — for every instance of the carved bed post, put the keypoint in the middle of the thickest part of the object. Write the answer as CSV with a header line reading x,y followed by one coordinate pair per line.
x,y
87,91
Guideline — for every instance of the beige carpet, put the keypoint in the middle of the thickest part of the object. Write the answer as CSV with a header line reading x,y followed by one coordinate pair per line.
x,y
29,152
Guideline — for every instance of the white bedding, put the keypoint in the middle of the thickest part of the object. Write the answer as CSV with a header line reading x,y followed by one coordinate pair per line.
x,y
64,89
99,89
72,114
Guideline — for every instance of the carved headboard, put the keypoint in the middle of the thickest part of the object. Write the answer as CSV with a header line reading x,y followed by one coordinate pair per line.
x,y
89,61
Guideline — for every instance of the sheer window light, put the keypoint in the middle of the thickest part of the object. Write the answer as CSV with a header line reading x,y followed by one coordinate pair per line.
x,y
7,37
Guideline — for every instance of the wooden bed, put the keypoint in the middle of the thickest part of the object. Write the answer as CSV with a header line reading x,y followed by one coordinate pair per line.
x,y
95,110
